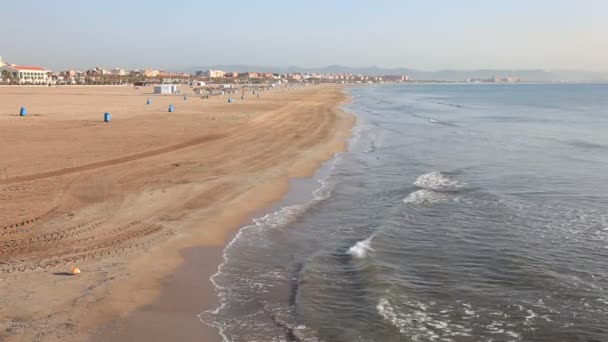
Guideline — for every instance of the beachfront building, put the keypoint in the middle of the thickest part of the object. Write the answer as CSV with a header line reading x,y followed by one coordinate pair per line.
x,y
165,89
3,79
26,74
295,77
211,73
119,72
151,73
248,75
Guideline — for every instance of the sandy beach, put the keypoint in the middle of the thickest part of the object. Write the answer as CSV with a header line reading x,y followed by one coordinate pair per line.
x,y
143,204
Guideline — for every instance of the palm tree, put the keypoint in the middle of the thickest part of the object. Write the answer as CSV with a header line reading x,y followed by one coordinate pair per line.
x,y
8,76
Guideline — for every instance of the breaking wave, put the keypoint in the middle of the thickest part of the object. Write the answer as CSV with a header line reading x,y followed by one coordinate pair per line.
x,y
437,181
360,249
424,196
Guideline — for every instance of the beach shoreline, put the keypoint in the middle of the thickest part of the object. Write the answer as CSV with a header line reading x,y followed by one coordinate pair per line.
x,y
142,287
172,315
175,316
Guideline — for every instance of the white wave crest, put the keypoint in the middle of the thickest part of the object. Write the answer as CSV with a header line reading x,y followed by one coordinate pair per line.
x,y
280,218
436,181
424,196
420,323
361,248
387,312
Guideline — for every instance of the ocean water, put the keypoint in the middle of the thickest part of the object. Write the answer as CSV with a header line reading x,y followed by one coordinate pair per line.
x,y
459,213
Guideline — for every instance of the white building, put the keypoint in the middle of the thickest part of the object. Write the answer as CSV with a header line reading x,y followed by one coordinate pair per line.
x,y
119,72
1,62
165,89
26,74
212,73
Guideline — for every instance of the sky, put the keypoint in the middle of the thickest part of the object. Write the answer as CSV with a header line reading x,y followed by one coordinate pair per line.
x,y
425,35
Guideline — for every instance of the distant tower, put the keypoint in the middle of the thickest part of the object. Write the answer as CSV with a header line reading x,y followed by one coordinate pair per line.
x,y
1,62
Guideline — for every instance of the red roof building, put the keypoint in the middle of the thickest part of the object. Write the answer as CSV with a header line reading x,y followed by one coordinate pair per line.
x,y
25,74
27,68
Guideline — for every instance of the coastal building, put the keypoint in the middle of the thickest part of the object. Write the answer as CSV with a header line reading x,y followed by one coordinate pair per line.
x,y
174,75
216,73
97,71
165,89
211,73
118,72
266,75
295,77
26,74
231,74
1,62
248,75
151,73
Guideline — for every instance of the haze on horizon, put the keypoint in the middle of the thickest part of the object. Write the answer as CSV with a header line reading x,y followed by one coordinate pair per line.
x,y
429,35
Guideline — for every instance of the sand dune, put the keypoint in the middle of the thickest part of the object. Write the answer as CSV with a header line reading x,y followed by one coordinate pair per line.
x,y
120,199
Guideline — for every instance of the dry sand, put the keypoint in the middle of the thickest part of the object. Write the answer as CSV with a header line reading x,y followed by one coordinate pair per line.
x,y
124,199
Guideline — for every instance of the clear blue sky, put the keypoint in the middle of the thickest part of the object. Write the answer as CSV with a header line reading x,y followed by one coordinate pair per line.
x,y
428,35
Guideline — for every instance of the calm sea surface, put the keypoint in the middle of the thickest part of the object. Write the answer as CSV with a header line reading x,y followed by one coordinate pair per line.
x,y
460,213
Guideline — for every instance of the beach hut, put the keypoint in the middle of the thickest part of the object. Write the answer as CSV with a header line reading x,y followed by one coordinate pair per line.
x,y
164,89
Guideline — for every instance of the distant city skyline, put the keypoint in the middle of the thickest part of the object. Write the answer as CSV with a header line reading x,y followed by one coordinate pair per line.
x,y
430,36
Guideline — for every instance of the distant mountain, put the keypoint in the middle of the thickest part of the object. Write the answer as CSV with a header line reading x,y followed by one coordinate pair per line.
x,y
371,71
526,75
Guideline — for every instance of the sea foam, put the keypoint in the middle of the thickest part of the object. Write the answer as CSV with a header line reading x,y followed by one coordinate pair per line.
x,y
424,196
419,322
432,189
436,181
360,249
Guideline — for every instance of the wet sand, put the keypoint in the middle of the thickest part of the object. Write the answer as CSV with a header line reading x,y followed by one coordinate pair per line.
x,y
172,316
123,200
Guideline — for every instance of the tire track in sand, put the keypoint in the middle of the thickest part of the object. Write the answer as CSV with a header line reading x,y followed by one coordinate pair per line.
x,y
135,240
112,162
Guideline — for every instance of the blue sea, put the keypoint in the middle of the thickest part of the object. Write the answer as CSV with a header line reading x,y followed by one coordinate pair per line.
x,y
459,213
